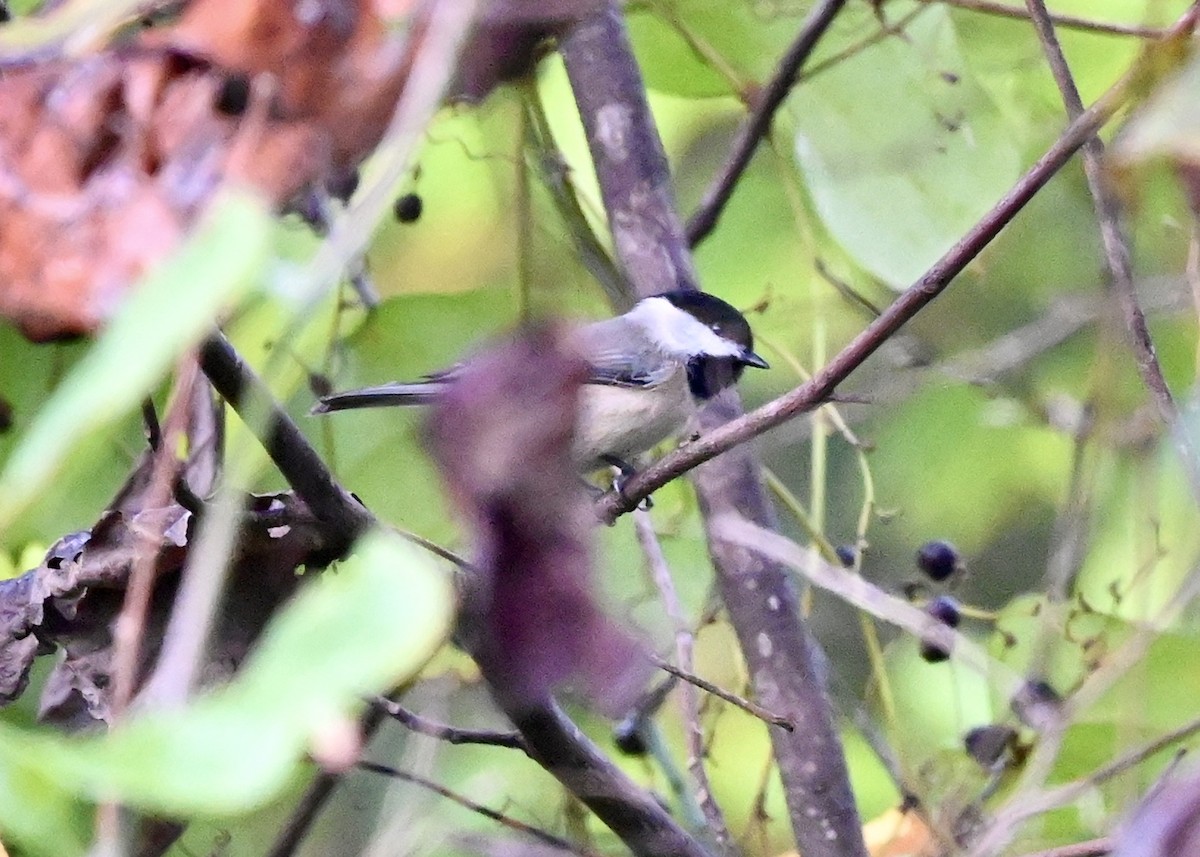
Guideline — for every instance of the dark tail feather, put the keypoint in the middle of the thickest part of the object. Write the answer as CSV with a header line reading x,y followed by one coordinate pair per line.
x,y
383,396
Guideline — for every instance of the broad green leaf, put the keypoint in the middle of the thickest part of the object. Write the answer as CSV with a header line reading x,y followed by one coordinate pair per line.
x,y
672,38
1060,644
360,629
35,810
170,310
936,703
1147,502
1000,466
901,149
703,48
29,373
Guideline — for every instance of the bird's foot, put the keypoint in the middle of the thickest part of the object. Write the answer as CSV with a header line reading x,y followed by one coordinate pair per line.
x,y
625,472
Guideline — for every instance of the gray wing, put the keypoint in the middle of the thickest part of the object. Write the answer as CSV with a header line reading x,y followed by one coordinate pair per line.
x,y
615,364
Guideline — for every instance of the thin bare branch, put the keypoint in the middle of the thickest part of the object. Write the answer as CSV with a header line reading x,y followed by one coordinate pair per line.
x,y
131,622
450,734
296,828
543,836
1072,22
299,463
749,706
1092,848
759,121
861,593
1007,821
684,648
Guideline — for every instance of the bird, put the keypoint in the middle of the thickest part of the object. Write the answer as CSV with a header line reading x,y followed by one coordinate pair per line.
x,y
649,371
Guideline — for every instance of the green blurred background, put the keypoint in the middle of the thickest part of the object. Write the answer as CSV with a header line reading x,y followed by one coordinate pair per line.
x,y
876,165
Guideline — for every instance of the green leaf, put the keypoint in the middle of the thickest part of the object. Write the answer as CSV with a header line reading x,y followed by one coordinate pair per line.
x,y
35,810
361,629
1000,461
671,39
171,309
901,149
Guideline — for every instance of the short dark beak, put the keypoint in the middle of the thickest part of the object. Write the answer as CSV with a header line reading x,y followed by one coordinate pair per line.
x,y
749,358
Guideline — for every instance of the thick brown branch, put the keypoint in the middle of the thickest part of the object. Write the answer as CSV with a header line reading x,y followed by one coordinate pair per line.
x,y
285,443
632,813
758,123
783,660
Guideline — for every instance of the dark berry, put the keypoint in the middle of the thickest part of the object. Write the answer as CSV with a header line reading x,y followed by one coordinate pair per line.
x,y
408,208
1040,691
933,653
846,554
1037,704
938,559
234,95
628,737
987,745
945,609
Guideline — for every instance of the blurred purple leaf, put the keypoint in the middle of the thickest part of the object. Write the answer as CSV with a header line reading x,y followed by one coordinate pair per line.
x,y
502,437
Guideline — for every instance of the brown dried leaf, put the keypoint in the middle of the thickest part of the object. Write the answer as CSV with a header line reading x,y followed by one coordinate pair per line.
x,y
105,162
71,602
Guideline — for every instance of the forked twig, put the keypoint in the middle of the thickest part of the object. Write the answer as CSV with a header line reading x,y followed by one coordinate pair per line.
x,y
749,706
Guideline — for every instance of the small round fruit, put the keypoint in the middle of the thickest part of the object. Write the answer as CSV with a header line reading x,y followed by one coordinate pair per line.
x,y
946,610
933,653
408,208
988,745
938,559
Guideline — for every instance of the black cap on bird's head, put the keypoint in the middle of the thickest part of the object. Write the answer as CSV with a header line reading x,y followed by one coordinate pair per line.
x,y
722,319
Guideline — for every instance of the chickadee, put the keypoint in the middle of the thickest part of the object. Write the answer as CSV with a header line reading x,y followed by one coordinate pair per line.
x,y
650,369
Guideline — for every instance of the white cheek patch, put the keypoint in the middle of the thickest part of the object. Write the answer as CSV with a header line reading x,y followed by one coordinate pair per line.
x,y
678,332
